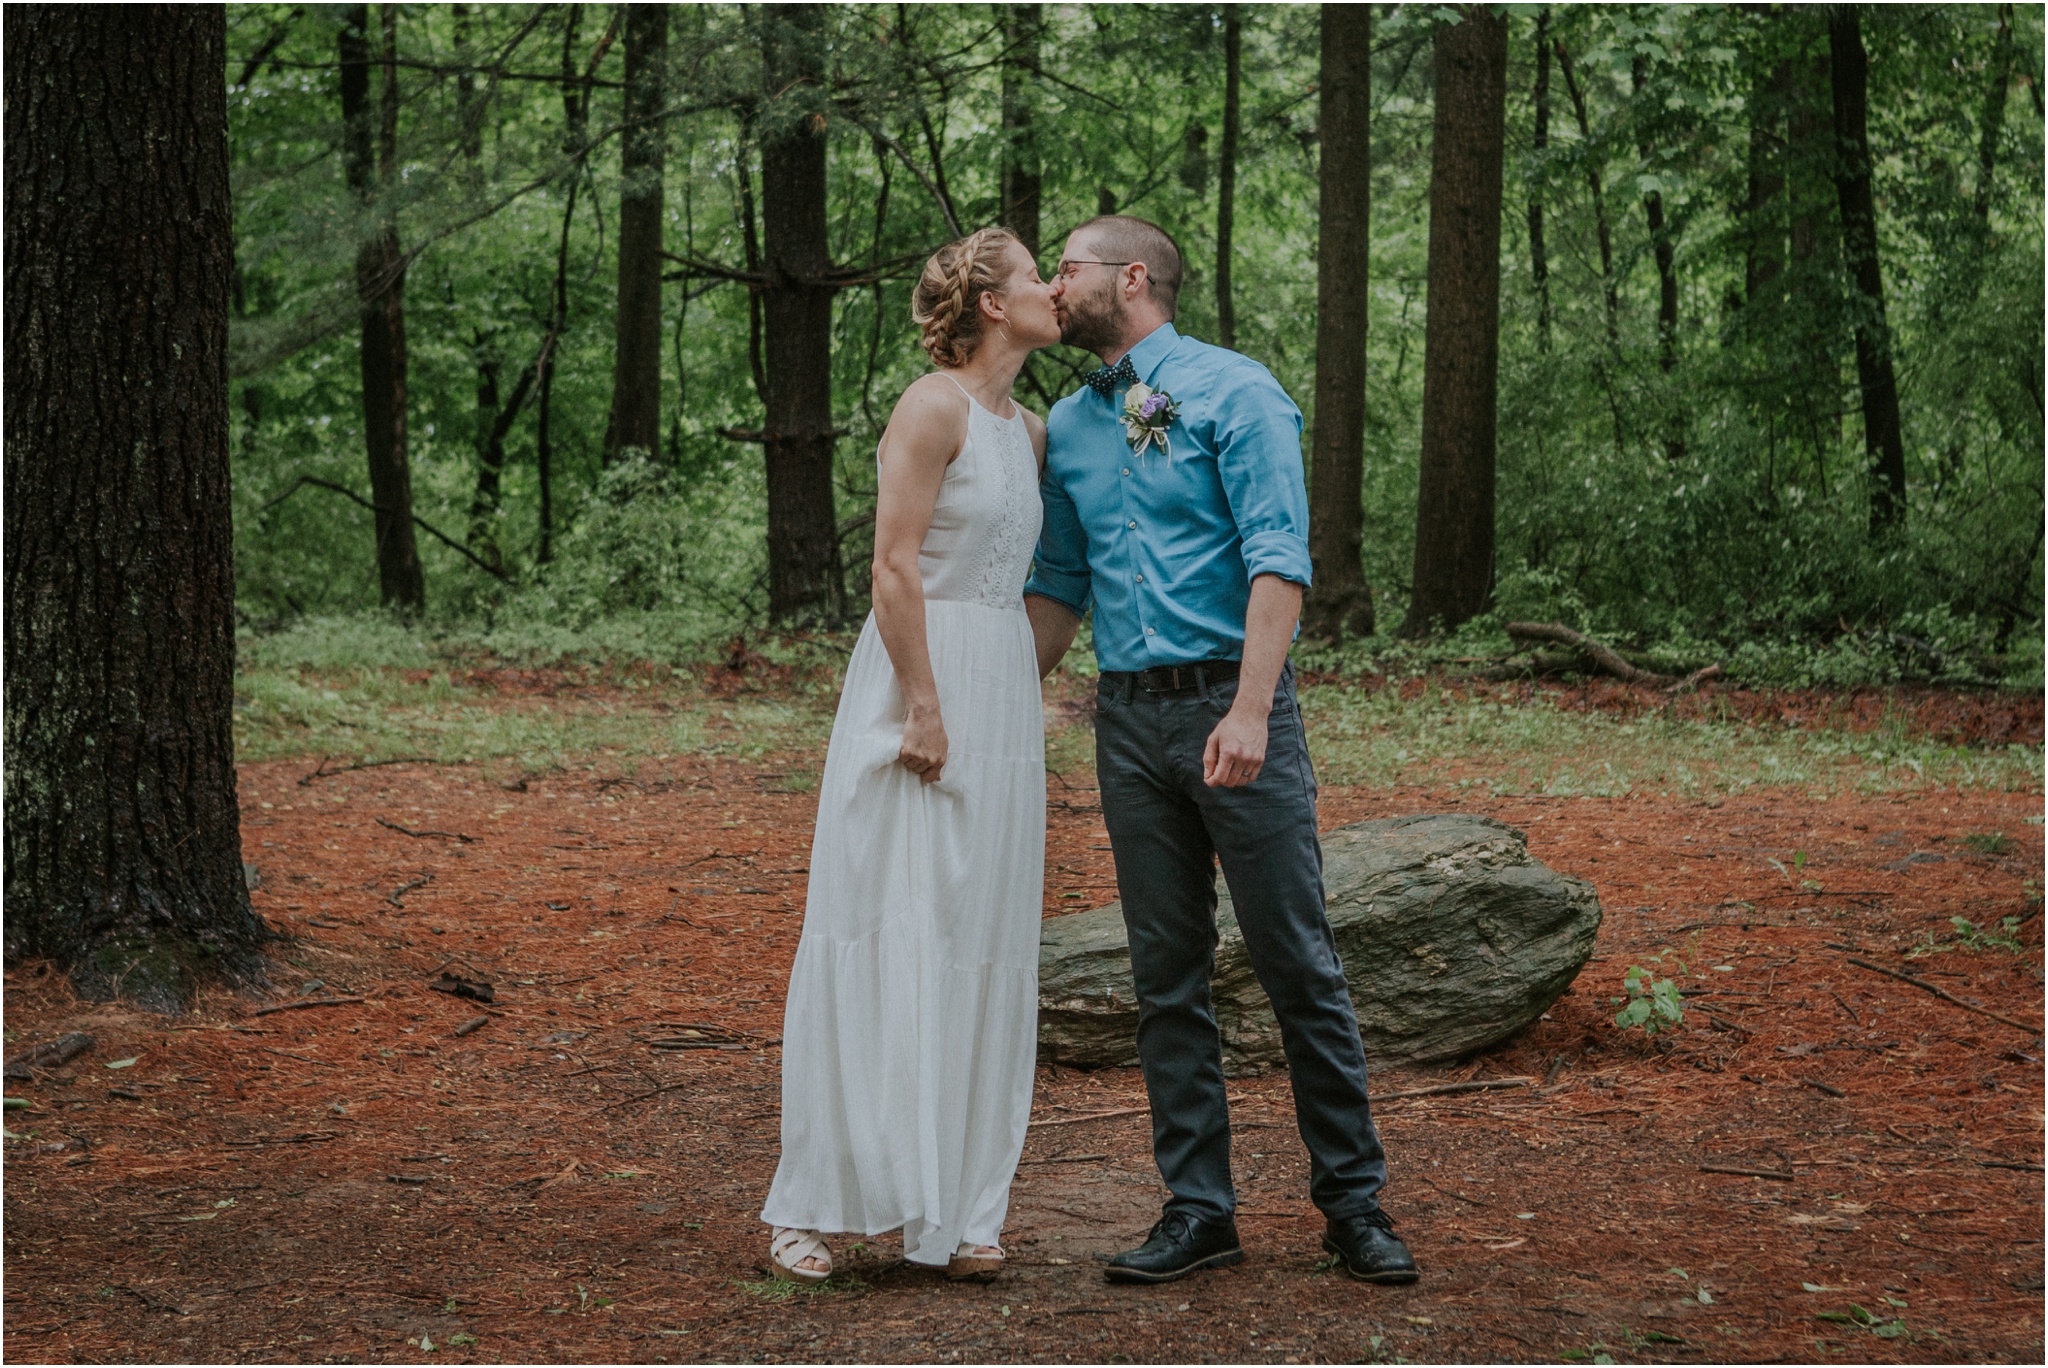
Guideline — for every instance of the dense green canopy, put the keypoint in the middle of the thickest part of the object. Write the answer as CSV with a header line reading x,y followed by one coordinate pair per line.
x,y
1709,485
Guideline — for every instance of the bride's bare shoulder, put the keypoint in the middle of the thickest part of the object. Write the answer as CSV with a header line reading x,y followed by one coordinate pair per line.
x,y
930,415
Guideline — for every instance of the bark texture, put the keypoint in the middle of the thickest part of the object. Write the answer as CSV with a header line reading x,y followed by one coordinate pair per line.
x,y
635,423
1022,178
1883,442
1461,350
804,579
1339,602
1226,174
380,293
123,839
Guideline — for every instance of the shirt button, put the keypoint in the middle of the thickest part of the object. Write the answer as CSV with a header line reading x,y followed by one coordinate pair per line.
x,y
1127,470
1150,632
1132,525
1141,579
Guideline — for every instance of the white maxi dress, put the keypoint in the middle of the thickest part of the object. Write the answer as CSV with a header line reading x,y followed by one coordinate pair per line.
x,y
909,1039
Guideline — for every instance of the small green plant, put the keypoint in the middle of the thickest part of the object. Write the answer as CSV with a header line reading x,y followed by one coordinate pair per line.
x,y
458,1338
1652,1003
1874,1323
1592,1353
1971,937
1988,842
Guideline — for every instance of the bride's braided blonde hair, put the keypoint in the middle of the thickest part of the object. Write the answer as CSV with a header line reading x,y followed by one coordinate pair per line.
x,y
946,306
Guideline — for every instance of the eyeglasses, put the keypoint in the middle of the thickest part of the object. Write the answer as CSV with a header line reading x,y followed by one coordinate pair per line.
x,y
1065,269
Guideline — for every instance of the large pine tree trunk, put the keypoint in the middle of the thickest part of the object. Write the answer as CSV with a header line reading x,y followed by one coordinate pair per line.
x,y
1023,26
1226,175
380,292
1461,350
1661,248
635,423
1883,442
804,580
1339,603
123,840
1763,222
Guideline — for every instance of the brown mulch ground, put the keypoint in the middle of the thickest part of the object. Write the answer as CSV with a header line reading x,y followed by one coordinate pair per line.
x,y
338,1182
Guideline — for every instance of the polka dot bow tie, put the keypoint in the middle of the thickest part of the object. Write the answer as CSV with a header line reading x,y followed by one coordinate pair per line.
x,y
1105,380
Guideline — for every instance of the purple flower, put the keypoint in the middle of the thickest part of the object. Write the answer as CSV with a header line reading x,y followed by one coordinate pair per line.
x,y
1151,407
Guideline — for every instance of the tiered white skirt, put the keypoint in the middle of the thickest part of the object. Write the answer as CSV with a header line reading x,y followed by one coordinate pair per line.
x,y
909,1039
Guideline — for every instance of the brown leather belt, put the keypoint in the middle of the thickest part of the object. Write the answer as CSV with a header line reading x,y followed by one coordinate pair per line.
x,y
1173,679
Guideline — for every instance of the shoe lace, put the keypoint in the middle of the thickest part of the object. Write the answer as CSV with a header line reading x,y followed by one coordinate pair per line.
x,y
1379,1218
1173,1225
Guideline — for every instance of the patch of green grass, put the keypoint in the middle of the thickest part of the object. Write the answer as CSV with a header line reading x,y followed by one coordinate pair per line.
x,y
1988,842
777,1290
378,714
1375,737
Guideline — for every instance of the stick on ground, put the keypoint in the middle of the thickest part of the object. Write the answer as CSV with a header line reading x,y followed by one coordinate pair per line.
x,y
1944,996
309,1002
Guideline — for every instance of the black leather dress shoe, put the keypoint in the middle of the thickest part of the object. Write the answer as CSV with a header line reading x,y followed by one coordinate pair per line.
x,y
1179,1244
1370,1249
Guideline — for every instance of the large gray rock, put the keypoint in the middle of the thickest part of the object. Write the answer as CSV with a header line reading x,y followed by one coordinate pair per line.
x,y
1452,936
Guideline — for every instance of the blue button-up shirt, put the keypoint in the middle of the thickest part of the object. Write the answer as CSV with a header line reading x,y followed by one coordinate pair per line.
x,y
1166,548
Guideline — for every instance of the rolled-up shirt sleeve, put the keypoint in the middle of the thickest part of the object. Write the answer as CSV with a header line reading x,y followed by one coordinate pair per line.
x,y
1258,458
1059,569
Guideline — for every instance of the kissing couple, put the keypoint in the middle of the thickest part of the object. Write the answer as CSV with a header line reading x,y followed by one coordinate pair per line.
x,y
1168,494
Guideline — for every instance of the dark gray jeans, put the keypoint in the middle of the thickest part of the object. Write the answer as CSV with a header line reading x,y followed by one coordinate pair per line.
x,y
1168,830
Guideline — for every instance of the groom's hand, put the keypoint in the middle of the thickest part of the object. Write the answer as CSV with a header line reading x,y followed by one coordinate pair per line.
x,y
1237,748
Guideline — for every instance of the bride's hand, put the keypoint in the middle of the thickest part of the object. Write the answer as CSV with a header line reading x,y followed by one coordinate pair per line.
x,y
924,743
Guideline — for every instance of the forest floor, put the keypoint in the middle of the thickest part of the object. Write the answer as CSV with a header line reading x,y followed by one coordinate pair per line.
x,y
358,1182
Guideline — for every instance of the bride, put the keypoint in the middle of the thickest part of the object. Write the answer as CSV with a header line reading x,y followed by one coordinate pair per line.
x,y
909,1040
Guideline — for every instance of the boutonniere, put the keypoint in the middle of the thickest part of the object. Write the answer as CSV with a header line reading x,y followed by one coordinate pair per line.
x,y
1148,413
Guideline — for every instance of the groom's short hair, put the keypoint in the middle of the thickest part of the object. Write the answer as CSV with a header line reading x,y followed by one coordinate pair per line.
x,y
1121,237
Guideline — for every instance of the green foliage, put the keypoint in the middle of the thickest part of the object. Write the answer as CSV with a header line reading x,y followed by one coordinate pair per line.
x,y
1651,1003
1881,1326
1717,510
1971,937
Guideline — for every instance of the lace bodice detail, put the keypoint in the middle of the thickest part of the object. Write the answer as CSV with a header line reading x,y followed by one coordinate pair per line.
x,y
985,524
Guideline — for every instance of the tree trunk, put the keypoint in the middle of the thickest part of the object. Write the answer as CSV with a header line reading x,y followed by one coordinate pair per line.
x,y
1602,232
1461,349
1809,154
380,292
123,838
1023,26
1763,229
635,423
1226,174
1539,142
1340,602
1667,286
1992,123
804,579
1883,442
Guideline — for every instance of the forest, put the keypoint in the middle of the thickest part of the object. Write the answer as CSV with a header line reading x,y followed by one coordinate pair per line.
x,y
572,329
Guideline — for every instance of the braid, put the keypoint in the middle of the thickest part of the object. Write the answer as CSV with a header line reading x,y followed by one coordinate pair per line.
x,y
946,303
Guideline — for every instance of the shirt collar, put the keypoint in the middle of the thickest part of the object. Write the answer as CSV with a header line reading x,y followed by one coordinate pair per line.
x,y
1150,352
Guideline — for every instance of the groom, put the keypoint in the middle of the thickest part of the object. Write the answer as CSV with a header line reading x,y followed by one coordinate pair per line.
x,y
1194,552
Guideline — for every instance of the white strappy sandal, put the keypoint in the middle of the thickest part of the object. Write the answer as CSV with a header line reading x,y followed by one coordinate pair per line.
x,y
789,1248
976,1263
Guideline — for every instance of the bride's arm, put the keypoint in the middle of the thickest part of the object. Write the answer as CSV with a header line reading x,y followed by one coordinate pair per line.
x,y
923,437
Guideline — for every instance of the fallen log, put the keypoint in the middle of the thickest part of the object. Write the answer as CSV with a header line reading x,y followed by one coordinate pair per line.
x,y
1606,658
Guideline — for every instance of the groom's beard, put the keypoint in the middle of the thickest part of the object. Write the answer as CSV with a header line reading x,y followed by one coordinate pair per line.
x,y
1093,323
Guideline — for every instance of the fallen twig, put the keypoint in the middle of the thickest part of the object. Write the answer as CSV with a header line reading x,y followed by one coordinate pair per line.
x,y
49,1054
408,886
1443,1089
642,1097
2007,1164
424,835
1469,1201
1944,995
309,1002
1845,1006
325,773
1748,1172
473,1024
303,1059
1092,1116
1830,1089
1065,1159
